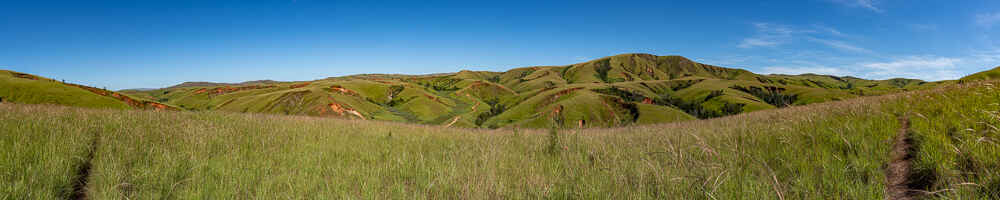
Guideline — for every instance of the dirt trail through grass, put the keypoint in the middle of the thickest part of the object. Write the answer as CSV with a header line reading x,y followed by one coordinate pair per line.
x,y
82,175
897,174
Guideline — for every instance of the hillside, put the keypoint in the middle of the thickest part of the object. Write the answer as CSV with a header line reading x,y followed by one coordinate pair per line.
x,y
31,89
612,91
992,74
834,150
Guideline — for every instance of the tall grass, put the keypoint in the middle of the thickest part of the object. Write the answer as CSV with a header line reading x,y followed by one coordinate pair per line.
x,y
958,154
823,151
41,150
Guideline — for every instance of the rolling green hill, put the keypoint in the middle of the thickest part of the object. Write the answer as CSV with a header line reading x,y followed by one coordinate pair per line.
x,y
24,88
984,75
607,92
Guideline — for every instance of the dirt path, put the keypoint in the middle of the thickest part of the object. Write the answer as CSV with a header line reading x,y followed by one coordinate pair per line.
x,y
453,121
897,174
83,174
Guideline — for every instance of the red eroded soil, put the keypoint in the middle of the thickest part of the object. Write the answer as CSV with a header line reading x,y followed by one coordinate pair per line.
x,y
157,106
341,110
343,90
25,76
434,98
300,85
647,100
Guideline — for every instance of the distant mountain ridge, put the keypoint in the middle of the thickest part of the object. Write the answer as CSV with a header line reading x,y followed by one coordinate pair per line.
x,y
611,91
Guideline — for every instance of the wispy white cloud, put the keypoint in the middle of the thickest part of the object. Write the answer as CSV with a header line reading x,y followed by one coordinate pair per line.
x,y
774,35
756,42
841,45
921,67
768,35
866,4
775,29
831,31
805,70
869,4
924,62
786,62
800,49
988,19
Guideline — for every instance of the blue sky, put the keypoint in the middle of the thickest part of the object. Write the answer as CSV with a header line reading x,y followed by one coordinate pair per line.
x,y
150,44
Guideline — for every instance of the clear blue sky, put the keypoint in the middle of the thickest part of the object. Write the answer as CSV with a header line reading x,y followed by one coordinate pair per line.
x,y
150,44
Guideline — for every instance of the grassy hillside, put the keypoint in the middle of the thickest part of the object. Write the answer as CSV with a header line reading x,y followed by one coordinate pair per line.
x,y
30,89
834,150
24,88
992,74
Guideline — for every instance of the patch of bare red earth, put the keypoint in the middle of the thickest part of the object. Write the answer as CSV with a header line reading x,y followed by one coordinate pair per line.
x,y
300,85
340,109
343,90
25,76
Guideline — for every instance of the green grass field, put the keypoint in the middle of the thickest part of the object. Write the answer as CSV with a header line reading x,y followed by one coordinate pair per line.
x,y
834,150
